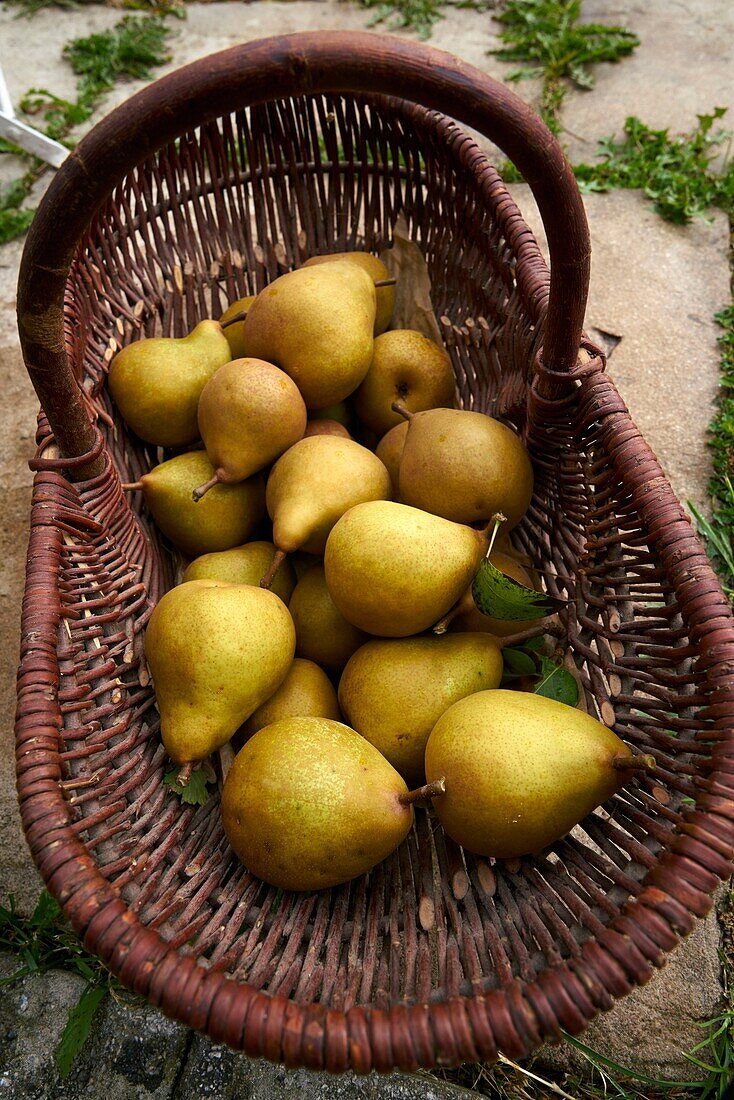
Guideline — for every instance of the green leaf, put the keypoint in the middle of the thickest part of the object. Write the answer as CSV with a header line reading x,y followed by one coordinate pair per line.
x,y
519,662
556,682
195,792
47,911
503,598
77,1027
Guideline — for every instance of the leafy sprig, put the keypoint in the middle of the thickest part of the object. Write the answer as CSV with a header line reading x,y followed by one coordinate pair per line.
x,y
677,172
130,50
195,792
44,941
550,42
500,596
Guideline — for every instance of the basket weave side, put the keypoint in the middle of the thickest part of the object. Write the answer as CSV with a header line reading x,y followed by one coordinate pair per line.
x,y
524,1012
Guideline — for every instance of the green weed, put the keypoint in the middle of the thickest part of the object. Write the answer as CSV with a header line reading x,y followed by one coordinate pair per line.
x,y
546,37
419,16
677,172
129,51
13,221
31,7
44,941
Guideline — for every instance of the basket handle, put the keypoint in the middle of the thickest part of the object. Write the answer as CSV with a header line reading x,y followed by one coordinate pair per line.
x,y
253,73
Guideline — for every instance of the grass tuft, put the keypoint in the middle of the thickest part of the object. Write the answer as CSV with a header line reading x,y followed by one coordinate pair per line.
x,y
129,51
546,37
677,173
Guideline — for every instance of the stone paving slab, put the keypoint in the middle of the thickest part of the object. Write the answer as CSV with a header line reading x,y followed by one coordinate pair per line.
x,y
653,285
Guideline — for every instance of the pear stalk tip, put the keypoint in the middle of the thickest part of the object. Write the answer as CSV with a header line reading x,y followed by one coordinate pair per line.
x,y
385,282
428,790
278,559
184,774
443,624
234,320
644,763
202,490
403,410
131,486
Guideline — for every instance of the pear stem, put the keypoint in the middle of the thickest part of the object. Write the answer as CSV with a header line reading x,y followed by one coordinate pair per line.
x,y
403,410
203,489
428,790
646,763
491,529
443,624
548,625
184,775
131,486
278,559
385,282
233,320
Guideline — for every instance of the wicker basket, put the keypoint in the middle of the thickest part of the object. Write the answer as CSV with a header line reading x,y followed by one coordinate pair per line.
x,y
203,188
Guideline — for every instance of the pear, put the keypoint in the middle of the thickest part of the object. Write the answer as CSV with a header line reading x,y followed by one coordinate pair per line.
x,y
316,324
156,383
466,616
406,366
313,484
326,427
224,518
393,691
243,565
216,652
465,466
378,272
389,451
306,692
250,412
521,770
394,570
322,633
234,329
341,412
309,804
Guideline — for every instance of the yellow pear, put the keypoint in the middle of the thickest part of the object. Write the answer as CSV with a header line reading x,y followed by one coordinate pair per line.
x,y
323,634
326,427
308,804
156,383
250,412
243,565
394,570
377,271
465,466
393,691
306,692
316,324
521,770
234,330
389,451
216,652
313,484
406,366
226,517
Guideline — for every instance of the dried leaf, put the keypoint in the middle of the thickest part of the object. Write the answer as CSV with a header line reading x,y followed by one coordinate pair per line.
x,y
413,306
